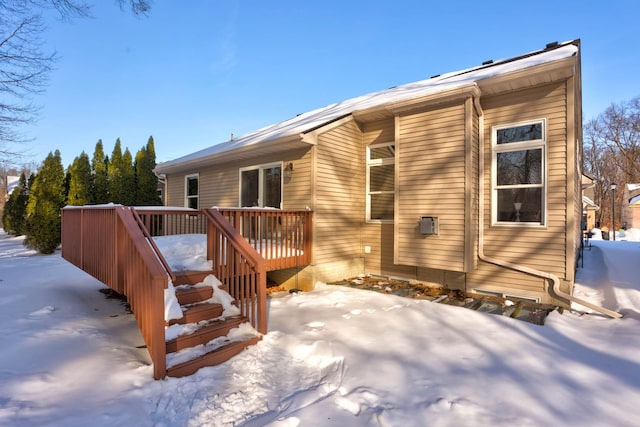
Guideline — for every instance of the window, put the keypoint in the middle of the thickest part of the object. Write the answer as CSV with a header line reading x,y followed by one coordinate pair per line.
x,y
261,186
380,181
191,184
518,173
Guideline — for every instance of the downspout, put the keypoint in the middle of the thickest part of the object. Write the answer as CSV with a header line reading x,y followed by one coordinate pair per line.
x,y
506,264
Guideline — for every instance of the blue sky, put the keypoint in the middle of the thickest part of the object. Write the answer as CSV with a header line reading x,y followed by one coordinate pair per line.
x,y
193,72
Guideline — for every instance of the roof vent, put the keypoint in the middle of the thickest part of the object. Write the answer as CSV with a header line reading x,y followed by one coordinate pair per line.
x,y
490,61
551,45
434,76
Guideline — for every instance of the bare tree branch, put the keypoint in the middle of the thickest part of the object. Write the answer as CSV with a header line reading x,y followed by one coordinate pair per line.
x,y
24,65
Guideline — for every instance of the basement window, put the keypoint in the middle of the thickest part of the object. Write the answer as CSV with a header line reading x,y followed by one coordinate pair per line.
x,y
519,174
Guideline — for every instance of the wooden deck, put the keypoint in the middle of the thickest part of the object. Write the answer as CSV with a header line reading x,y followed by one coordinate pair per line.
x,y
281,237
115,245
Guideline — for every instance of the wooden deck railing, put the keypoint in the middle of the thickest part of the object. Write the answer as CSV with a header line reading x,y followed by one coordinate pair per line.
x,y
239,267
107,243
234,261
282,237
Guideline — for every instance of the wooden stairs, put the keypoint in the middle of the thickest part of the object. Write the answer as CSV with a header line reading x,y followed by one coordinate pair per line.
x,y
196,310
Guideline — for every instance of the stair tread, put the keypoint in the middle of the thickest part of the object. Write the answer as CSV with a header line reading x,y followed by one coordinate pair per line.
x,y
193,294
198,312
206,333
212,358
190,277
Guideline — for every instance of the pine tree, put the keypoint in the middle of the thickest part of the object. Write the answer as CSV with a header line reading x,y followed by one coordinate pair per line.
x,y
20,207
147,181
14,216
114,172
99,165
128,179
14,209
46,200
6,216
80,180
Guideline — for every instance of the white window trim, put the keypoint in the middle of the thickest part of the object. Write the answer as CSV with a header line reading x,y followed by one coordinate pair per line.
x,y
186,189
376,162
260,181
518,146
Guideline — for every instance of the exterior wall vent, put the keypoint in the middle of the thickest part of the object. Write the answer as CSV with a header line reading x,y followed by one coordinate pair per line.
x,y
429,225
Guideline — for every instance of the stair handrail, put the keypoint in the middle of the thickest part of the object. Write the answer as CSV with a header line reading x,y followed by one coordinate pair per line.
x,y
256,262
106,242
147,306
152,242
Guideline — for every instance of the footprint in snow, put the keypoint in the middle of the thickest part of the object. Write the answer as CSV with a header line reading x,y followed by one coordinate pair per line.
x,y
314,326
354,312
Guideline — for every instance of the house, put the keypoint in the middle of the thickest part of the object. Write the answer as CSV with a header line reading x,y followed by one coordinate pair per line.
x,y
469,179
589,207
631,206
10,182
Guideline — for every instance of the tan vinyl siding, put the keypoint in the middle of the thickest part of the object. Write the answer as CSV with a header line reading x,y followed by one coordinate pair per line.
x,y
339,194
219,184
431,182
174,190
297,191
377,236
542,248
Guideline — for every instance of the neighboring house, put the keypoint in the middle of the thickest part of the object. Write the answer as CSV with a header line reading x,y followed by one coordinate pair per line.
x,y
12,182
6,188
631,206
460,180
161,189
589,207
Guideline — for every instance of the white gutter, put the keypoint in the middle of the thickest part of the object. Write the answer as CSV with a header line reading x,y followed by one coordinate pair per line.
x,y
506,264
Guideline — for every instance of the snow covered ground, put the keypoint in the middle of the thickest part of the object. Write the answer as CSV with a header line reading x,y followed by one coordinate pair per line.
x,y
334,356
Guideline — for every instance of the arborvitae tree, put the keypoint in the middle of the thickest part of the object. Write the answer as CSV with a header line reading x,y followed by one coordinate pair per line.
x,y
80,179
6,216
20,205
46,199
116,184
128,179
99,165
147,181
67,183
14,217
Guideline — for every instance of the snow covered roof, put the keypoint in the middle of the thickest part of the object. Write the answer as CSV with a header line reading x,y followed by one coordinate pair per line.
x,y
634,200
632,194
303,123
589,204
633,187
12,182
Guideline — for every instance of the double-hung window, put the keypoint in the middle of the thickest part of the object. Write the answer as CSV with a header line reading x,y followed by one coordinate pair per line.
x,y
261,186
519,173
380,181
192,191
